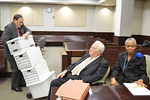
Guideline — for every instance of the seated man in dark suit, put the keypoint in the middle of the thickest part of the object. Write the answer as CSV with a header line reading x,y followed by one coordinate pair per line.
x,y
90,68
131,65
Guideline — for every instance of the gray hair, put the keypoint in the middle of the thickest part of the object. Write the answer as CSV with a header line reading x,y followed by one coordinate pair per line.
x,y
130,39
101,46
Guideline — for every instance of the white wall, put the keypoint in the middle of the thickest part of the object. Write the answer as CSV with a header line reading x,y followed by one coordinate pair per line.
x,y
48,19
124,15
5,16
137,18
146,19
100,23
114,19
97,21
104,17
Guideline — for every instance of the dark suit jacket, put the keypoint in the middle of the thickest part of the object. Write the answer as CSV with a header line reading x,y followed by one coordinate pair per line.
x,y
93,71
135,70
10,32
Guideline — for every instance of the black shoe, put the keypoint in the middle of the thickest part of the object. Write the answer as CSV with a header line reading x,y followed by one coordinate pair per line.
x,y
18,89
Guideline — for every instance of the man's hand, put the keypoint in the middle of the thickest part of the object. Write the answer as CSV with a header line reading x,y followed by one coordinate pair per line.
x,y
26,35
140,83
62,74
113,82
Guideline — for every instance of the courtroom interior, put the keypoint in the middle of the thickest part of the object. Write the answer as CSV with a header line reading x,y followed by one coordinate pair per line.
x,y
64,30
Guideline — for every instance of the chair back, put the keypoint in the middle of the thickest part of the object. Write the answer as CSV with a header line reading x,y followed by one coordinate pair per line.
x,y
148,68
102,81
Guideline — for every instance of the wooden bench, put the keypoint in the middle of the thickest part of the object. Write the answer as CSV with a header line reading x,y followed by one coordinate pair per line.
x,y
3,63
76,38
60,39
54,40
39,40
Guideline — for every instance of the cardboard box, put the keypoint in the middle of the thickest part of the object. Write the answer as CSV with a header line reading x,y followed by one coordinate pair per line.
x,y
36,73
29,58
41,88
20,44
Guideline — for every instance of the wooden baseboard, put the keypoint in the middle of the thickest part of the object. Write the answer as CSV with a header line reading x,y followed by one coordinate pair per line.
x,y
54,44
5,74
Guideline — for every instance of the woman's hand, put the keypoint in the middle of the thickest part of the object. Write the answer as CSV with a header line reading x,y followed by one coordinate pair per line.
x,y
140,83
113,82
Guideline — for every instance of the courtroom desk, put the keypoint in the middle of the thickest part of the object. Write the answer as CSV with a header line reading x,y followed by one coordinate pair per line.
x,y
107,93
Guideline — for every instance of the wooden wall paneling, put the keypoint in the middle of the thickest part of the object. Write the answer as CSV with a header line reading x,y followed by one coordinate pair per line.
x,y
116,39
145,38
138,38
105,35
3,63
46,33
1,33
5,74
120,40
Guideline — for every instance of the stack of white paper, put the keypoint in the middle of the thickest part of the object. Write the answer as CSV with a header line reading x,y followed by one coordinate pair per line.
x,y
137,90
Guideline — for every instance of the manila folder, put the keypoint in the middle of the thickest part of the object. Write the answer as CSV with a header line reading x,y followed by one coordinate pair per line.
x,y
73,90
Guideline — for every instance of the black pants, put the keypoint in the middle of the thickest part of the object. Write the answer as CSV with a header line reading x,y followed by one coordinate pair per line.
x,y
16,78
58,82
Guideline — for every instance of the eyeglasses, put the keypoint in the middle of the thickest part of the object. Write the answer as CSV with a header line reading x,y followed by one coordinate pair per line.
x,y
20,22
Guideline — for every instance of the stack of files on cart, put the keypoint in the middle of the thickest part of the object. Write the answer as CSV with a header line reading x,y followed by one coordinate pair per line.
x,y
34,68
19,44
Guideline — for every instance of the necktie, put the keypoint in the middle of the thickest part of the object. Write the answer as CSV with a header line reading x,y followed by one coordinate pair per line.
x,y
81,66
19,32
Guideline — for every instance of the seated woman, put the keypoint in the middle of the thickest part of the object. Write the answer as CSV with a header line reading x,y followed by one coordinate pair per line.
x,y
130,65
